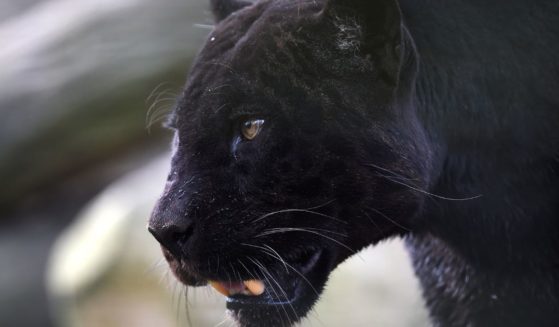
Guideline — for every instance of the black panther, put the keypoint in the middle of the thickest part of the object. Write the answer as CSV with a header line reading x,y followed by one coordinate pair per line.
x,y
310,129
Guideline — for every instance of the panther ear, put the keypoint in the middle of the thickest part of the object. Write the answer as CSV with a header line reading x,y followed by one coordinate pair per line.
x,y
378,28
223,8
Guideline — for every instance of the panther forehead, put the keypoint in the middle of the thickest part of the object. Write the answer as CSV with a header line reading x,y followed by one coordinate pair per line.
x,y
248,51
259,22
348,35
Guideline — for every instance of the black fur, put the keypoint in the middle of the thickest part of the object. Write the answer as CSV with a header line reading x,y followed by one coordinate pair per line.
x,y
224,8
435,121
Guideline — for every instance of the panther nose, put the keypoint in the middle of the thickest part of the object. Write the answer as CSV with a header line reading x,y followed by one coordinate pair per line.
x,y
171,231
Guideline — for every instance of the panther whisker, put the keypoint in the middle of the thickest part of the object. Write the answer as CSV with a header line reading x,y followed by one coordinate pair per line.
x,y
307,228
393,173
228,277
321,205
262,248
292,229
161,263
222,322
279,258
265,271
271,249
221,86
415,188
165,278
186,310
389,219
221,107
271,286
183,295
159,110
176,297
298,210
372,221
234,273
155,90
178,308
216,63
204,26
154,112
433,194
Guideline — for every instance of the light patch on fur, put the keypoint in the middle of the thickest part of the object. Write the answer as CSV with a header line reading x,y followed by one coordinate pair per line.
x,y
348,37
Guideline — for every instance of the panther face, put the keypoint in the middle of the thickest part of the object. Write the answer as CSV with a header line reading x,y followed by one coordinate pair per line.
x,y
296,145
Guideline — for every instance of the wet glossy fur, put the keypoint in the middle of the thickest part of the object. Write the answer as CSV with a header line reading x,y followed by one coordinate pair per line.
x,y
433,120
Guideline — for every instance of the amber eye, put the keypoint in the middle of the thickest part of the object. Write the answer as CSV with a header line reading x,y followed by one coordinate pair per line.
x,y
251,128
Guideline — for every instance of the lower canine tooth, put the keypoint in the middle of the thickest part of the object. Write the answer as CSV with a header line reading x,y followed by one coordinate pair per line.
x,y
255,287
220,288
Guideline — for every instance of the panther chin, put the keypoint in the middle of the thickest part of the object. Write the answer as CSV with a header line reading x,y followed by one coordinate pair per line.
x,y
272,295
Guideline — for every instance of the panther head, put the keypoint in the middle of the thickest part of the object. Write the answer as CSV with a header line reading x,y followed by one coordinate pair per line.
x,y
296,144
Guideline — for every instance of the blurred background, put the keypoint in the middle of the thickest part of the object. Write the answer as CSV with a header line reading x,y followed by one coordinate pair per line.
x,y
84,87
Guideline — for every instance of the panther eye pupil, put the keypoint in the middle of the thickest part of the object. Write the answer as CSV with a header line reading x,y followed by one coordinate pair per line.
x,y
251,128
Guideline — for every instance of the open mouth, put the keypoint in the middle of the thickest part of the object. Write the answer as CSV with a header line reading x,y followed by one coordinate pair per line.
x,y
270,292
284,294
253,287
286,283
264,290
